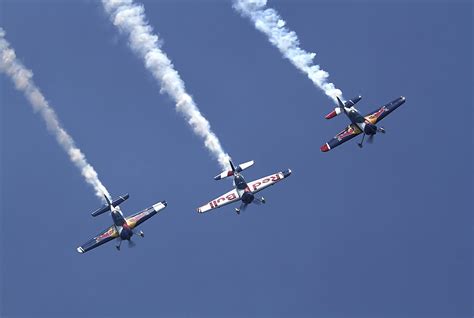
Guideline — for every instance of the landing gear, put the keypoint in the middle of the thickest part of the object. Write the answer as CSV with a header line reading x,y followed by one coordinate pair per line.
x,y
242,207
380,129
262,200
362,142
119,242
141,234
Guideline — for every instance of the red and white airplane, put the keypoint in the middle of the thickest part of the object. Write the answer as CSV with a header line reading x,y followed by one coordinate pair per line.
x,y
243,191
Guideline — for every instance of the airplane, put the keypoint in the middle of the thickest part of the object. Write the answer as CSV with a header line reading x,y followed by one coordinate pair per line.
x,y
243,191
359,124
123,228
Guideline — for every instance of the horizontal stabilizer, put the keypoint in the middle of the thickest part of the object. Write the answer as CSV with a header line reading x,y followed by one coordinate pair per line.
x,y
245,165
239,168
334,113
351,102
114,203
340,107
224,174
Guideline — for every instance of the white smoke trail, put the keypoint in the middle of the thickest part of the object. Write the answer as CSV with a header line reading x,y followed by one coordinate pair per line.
x,y
269,22
130,19
22,78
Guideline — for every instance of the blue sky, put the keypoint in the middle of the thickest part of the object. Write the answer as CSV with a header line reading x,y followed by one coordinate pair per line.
x,y
381,232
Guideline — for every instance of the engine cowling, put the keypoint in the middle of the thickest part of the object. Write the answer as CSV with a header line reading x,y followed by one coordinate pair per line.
x,y
370,129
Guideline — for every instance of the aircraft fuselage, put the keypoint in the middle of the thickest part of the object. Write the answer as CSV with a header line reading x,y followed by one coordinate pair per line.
x,y
356,118
121,225
243,189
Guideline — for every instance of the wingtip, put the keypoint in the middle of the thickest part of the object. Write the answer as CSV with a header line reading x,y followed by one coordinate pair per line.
x,y
80,250
325,147
331,115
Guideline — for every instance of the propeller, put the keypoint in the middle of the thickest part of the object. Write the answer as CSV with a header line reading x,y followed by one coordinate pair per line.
x,y
370,140
258,201
131,243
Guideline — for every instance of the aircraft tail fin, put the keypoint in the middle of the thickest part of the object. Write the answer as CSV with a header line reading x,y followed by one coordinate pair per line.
x,y
239,168
110,205
231,165
340,108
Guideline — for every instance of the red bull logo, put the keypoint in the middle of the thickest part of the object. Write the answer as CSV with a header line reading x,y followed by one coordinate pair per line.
x,y
221,200
272,179
373,118
105,235
343,134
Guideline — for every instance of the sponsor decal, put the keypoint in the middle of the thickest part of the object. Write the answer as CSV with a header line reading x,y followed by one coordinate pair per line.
x,y
137,217
105,235
271,179
222,200
343,134
232,196
377,114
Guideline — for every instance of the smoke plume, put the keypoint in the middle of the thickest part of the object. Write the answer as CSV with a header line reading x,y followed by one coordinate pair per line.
x,y
22,78
130,19
271,24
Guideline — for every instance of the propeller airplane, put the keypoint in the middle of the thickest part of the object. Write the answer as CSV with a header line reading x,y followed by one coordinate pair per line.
x,y
359,124
123,228
243,191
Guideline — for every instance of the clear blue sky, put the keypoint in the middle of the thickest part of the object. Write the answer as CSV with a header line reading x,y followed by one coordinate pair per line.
x,y
381,232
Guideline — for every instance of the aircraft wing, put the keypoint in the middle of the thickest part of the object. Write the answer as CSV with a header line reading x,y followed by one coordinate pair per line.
x,y
265,182
347,134
229,197
140,217
383,111
101,238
